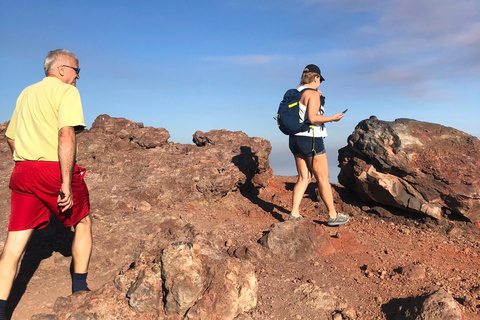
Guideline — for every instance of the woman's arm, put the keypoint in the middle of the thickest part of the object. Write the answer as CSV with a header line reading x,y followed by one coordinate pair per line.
x,y
311,99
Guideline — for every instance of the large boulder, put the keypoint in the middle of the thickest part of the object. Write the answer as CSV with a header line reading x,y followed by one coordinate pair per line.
x,y
418,166
249,155
123,130
184,276
185,283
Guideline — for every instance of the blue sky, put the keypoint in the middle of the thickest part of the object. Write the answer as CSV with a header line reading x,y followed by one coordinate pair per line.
x,y
202,65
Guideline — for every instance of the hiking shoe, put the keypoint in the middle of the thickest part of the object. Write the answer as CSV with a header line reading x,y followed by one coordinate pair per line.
x,y
293,218
340,219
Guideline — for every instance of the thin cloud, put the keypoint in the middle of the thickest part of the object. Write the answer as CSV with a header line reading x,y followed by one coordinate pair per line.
x,y
420,44
399,74
350,5
252,60
468,37
429,17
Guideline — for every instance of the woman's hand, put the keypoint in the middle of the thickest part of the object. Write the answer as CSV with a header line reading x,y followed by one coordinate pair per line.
x,y
336,117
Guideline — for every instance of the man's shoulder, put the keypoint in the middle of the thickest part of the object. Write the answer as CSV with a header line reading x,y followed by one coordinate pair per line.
x,y
53,88
33,86
55,82
58,86
45,83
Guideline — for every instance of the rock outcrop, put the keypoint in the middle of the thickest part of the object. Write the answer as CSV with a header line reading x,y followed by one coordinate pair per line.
x,y
249,155
170,280
417,166
151,169
140,184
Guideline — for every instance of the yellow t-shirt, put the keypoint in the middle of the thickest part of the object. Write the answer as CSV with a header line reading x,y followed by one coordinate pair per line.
x,y
42,109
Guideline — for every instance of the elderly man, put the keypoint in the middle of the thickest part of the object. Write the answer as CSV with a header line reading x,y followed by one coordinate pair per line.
x,y
46,179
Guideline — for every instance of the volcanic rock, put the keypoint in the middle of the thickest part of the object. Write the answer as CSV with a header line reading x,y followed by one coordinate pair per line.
x,y
176,280
418,166
129,131
166,213
138,183
232,292
250,155
316,297
296,240
413,272
184,276
151,172
434,306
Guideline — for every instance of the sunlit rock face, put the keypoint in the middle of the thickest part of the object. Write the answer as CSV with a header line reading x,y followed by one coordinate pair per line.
x,y
418,166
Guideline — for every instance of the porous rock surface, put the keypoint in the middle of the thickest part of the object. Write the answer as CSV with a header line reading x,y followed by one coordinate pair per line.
x,y
170,280
151,165
418,166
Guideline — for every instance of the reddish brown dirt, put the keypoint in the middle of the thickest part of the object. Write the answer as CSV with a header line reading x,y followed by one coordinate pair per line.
x,y
361,272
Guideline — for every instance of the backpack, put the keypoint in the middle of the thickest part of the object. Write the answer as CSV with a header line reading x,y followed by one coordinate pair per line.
x,y
288,117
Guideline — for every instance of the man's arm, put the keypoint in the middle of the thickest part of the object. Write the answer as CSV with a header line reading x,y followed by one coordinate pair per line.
x,y
67,148
11,144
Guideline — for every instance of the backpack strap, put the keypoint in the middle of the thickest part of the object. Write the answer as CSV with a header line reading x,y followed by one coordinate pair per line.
x,y
305,89
314,153
302,91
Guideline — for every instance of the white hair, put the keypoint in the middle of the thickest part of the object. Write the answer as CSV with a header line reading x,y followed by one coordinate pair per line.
x,y
53,56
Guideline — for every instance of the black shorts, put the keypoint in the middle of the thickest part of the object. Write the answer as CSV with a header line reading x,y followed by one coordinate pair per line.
x,y
307,146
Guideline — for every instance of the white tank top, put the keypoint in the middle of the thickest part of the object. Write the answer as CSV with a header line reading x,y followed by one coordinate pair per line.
x,y
319,130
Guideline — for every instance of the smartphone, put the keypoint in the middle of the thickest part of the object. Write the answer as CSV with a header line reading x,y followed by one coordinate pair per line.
x,y
345,111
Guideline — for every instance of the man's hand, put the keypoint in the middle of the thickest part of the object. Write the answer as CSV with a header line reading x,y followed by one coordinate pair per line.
x,y
65,198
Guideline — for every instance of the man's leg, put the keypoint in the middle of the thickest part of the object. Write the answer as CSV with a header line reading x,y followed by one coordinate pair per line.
x,y
12,252
81,252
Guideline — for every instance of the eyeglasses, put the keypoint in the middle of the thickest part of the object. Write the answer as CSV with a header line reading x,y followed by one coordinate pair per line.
x,y
77,70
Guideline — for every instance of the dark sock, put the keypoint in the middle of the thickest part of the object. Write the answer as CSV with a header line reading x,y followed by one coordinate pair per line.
x,y
3,306
79,282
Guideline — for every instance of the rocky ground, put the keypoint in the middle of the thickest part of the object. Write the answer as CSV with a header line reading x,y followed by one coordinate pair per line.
x,y
380,261
145,197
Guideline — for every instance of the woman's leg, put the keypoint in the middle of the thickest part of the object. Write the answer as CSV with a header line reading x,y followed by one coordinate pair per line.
x,y
300,187
320,170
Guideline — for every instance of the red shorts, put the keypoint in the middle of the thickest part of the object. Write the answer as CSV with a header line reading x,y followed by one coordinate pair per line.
x,y
35,187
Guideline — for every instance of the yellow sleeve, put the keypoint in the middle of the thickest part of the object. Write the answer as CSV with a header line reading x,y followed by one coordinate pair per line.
x,y
70,112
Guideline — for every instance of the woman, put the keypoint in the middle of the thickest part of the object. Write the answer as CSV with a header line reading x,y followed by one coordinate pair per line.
x,y
309,150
